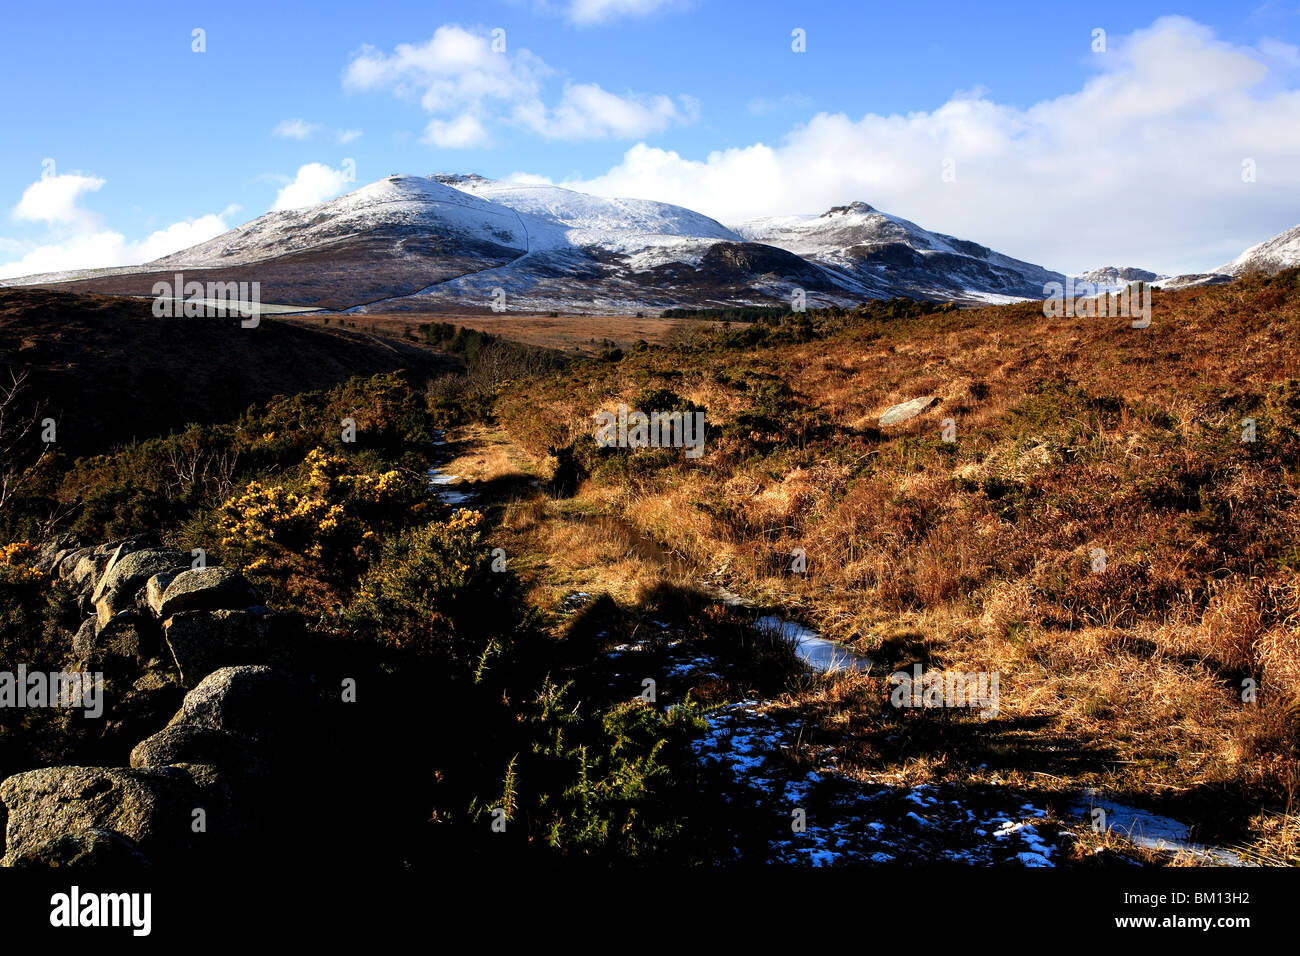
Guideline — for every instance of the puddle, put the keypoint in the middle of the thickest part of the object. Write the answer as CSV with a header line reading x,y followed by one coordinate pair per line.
x,y
438,483
819,653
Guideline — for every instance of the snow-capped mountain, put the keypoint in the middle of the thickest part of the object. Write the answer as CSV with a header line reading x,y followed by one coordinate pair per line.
x,y
899,257
399,208
1116,278
458,242
1280,252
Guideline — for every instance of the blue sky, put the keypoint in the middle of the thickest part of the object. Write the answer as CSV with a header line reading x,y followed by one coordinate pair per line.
x,y
1063,155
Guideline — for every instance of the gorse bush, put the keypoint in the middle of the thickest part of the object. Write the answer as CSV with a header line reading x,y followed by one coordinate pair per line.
x,y
324,525
162,483
433,590
574,777
36,616
596,783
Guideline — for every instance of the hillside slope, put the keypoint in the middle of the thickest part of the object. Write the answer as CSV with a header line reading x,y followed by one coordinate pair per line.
x,y
108,371
900,257
1280,252
1100,530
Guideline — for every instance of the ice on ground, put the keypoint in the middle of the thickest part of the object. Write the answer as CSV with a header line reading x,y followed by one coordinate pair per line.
x,y
817,652
1149,830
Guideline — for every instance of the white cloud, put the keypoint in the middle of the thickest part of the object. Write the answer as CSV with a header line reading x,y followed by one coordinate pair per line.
x,y
588,112
302,130
458,133
1142,166
79,240
469,89
295,129
1285,53
53,199
588,12
178,236
314,184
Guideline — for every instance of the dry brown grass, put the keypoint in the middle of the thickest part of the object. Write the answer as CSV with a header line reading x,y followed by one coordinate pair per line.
x,y
565,333
1073,435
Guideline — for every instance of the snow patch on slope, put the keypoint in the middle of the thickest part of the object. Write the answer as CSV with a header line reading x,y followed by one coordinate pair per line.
x,y
1280,252
619,225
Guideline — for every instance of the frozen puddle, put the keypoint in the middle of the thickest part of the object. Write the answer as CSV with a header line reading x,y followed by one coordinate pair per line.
x,y
438,483
819,653
1147,829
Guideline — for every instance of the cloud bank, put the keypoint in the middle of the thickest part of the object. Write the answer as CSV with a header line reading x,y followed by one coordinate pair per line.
x,y
1147,165
472,84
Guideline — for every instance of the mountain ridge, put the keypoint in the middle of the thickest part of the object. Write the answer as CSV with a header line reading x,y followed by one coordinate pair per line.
x,y
454,242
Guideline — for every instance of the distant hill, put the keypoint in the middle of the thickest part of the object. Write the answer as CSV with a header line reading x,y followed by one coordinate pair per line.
x,y
893,256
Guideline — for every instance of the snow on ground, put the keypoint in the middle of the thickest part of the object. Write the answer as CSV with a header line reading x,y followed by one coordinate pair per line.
x,y
439,483
756,756
993,298
755,753
1148,829
848,821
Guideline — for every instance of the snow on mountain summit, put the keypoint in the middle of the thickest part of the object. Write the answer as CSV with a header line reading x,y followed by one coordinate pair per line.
x,y
624,225
453,241
1280,252
1116,278
898,254
394,205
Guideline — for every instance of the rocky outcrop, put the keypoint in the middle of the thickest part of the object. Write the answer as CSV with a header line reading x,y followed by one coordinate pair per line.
x,y
154,589
127,575
152,808
53,552
207,589
91,847
907,410
234,718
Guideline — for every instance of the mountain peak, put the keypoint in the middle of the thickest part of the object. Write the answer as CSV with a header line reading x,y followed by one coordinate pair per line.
x,y
453,179
1115,275
451,240
856,207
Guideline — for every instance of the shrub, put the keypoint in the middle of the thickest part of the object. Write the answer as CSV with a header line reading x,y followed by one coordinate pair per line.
x,y
321,528
434,589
